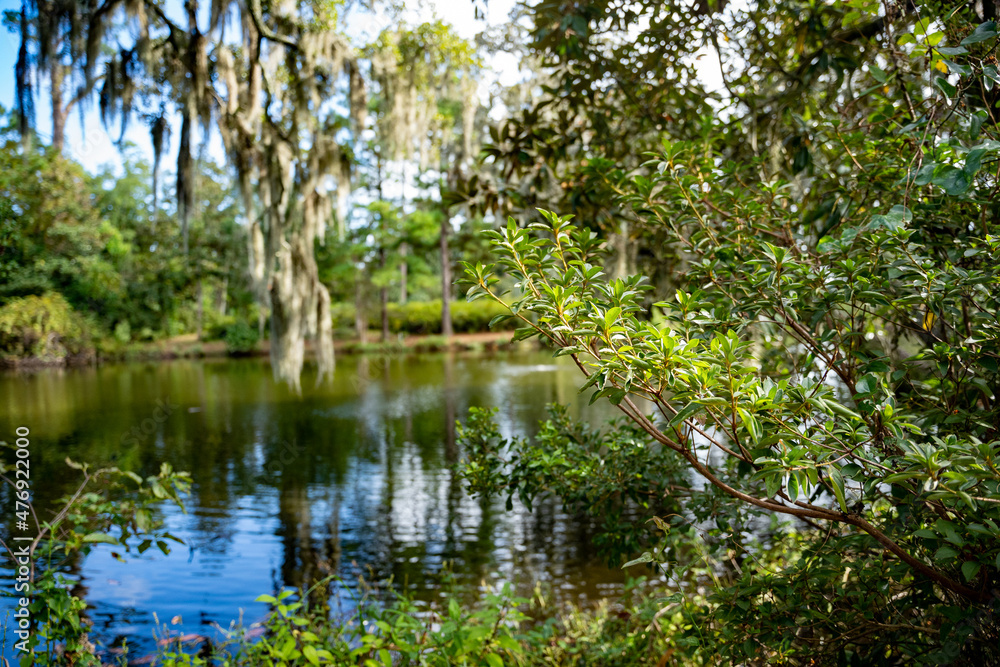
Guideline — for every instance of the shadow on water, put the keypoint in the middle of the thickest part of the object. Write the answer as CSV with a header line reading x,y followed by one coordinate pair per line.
x,y
354,478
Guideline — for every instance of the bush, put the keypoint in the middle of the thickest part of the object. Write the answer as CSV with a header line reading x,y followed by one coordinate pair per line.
x,y
123,332
422,318
415,317
45,327
500,629
400,631
342,315
109,507
475,316
847,380
216,325
241,339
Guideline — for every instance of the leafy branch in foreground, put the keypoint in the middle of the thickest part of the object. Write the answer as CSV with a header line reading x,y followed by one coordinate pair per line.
x,y
610,476
790,429
109,506
831,355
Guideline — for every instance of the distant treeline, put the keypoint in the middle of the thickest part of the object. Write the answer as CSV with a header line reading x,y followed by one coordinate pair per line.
x,y
93,264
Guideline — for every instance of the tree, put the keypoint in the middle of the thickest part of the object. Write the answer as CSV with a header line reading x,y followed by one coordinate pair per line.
x,y
52,237
54,34
266,93
426,105
831,354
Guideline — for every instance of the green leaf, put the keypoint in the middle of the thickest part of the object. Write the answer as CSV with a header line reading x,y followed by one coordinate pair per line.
x,y
992,73
945,554
964,70
646,557
102,538
498,319
751,424
970,569
973,162
946,87
896,218
837,482
982,32
494,660
866,384
686,412
955,181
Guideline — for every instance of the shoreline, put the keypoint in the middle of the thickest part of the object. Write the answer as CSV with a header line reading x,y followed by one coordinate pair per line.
x,y
189,347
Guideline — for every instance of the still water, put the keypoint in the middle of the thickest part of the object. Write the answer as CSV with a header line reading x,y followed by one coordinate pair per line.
x,y
354,478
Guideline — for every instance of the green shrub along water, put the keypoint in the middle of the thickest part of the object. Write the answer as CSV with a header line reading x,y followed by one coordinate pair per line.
x,y
423,317
43,327
47,328
392,629
241,338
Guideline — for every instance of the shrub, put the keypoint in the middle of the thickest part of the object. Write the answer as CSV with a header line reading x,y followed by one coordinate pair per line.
x,y
848,381
422,318
44,326
216,325
414,317
399,631
499,629
123,332
342,315
475,316
241,339
110,507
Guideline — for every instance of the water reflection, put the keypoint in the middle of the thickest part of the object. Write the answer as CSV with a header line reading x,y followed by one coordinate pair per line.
x,y
356,477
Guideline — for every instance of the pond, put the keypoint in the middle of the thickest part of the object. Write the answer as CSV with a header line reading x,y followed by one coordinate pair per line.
x,y
356,477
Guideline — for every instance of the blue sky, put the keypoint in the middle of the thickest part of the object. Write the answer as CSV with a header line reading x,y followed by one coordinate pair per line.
x,y
93,146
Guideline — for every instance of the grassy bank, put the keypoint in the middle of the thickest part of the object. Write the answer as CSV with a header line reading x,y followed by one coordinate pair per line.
x,y
46,331
189,347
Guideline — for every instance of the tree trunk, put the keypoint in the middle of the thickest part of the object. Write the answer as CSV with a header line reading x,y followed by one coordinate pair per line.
x,y
360,320
57,73
383,297
221,297
200,309
446,329
621,264
403,271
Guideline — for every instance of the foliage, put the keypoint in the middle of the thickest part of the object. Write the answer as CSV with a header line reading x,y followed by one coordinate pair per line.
x,y
109,507
43,327
831,356
424,317
241,338
53,239
610,476
498,629
398,631
100,243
